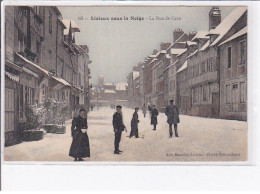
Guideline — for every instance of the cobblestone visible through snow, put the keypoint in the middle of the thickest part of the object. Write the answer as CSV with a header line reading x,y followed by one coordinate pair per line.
x,y
201,139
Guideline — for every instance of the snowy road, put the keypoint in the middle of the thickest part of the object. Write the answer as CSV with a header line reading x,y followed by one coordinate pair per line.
x,y
201,139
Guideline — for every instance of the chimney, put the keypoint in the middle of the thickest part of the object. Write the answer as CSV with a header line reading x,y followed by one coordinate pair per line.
x,y
214,17
155,51
192,34
165,45
177,33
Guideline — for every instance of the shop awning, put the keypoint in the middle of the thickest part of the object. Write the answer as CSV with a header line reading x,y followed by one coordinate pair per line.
x,y
33,64
77,88
62,81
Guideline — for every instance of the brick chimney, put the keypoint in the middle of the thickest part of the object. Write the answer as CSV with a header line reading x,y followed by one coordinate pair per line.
x,y
214,17
177,33
165,45
192,34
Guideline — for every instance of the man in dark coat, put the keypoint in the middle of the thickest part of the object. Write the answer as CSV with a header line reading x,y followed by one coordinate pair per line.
x,y
172,113
154,114
118,127
80,143
134,124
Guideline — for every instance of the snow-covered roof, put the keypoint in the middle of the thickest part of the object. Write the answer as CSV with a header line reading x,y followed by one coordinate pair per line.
x,y
171,65
176,41
121,86
109,91
184,66
182,52
153,61
156,55
168,56
190,43
192,53
227,23
236,35
206,45
175,51
163,51
136,74
74,26
201,35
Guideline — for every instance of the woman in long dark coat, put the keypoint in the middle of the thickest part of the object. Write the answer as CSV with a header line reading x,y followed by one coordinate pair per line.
x,y
80,144
154,114
134,124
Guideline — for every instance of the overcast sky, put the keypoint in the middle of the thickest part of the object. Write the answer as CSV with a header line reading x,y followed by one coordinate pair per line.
x,y
116,46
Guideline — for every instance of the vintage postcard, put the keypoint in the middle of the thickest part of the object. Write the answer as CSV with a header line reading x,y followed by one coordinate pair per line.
x,y
157,84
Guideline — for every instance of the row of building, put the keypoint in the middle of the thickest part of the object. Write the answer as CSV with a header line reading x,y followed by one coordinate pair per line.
x,y
204,72
108,94
42,62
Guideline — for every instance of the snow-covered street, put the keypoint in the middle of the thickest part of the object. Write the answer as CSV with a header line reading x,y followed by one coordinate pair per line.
x,y
200,139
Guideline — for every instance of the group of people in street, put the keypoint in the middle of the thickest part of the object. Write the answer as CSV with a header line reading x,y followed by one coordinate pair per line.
x,y
80,142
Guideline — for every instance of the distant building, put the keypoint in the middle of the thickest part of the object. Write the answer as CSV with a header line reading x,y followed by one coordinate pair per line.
x,y
101,80
109,95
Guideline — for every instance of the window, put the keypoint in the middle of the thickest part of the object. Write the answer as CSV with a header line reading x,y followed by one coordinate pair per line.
x,y
50,22
242,92
235,95
39,52
29,95
205,93
203,67
229,57
195,95
21,41
228,98
243,52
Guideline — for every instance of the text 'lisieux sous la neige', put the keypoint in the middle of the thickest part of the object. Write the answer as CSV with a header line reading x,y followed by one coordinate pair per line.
x,y
130,18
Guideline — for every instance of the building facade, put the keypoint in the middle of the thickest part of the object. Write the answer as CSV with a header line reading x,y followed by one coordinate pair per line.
x,y
42,63
233,76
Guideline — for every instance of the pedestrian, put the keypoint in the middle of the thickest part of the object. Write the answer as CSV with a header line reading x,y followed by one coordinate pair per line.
x,y
134,124
154,114
80,143
144,110
119,127
92,107
172,113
